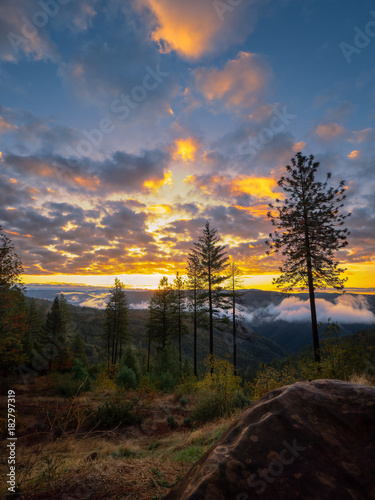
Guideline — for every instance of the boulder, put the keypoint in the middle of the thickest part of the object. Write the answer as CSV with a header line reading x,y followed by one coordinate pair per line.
x,y
310,440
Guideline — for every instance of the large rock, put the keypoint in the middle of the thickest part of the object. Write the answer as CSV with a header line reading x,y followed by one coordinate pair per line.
x,y
311,440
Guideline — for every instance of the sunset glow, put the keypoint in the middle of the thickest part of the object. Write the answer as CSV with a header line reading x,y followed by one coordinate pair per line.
x,y
123,131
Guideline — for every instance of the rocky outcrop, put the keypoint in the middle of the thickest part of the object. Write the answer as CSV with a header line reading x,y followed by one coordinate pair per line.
x,y
310,440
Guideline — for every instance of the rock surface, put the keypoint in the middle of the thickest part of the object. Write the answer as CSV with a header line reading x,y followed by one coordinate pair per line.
x,y
310,440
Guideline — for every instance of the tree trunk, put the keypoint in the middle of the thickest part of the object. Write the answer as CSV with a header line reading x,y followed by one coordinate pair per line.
x,y
234,334
195,333
314,321
148,353
179,334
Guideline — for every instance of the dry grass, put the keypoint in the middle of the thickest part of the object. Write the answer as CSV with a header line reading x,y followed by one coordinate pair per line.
x,y
134,463
362,379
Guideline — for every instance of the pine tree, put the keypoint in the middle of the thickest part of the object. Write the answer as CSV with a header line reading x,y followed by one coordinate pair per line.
x,y
195,298
212,258
159,318
235,282
116,331
310,220
178,313
53,340
79,351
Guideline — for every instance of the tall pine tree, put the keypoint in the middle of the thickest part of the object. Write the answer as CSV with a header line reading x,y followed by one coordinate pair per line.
x,y
235,283
309,230
212,258
116,330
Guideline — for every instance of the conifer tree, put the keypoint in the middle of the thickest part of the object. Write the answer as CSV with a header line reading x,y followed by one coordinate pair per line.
x,y
116,331
235,282
79,351
178,313
195,298
309,230
212,258
53,340
159,321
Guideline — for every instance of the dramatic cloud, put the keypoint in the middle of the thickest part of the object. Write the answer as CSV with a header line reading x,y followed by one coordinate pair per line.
x,y
240,83
346,309
195,28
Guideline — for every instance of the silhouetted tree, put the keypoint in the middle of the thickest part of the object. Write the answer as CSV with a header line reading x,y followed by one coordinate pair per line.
x,y
116,331
178,313
235,282
195,297
309,230
212,258
159,317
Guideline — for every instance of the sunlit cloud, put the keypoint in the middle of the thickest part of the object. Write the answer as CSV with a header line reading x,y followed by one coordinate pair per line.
x,y
240,83
185,149
354,154
154,185
329,131
195,28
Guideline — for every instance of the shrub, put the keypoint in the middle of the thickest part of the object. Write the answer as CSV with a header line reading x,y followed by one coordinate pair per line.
x,y
127,378
188,422
209,407
121,410
172,422
222,380
239,400
103,382
123,453
66,386
78,370
130,360
183,401
188,385
167,382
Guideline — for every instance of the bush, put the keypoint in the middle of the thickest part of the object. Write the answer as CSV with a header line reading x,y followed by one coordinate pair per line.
x,y
167,382
172,422
183,401
66,386
78,370
239,400
130,360
119,411
209,407
127,378
223,380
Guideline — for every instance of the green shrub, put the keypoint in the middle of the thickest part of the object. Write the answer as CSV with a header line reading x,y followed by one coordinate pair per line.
x,y
123,453
209,407
127,378
167,382
172,422
130,360
239,400
183,401
78,370
66,386
153,445
119,411
188,422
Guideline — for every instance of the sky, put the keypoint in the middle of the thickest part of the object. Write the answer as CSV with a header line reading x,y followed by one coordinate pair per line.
x,y
126,124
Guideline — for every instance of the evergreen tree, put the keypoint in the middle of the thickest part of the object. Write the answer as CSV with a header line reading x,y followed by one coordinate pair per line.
x,y
159,318
178,313
79,351
235,282
116,332
13,320
53,340
212,258
195,298
309,230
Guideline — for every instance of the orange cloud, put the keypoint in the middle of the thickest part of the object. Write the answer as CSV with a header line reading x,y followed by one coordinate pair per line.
x,y
239,83
193,28
5,126
259,187
362,135
88,183
330,131
155,184
354,154
299,146
185,149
